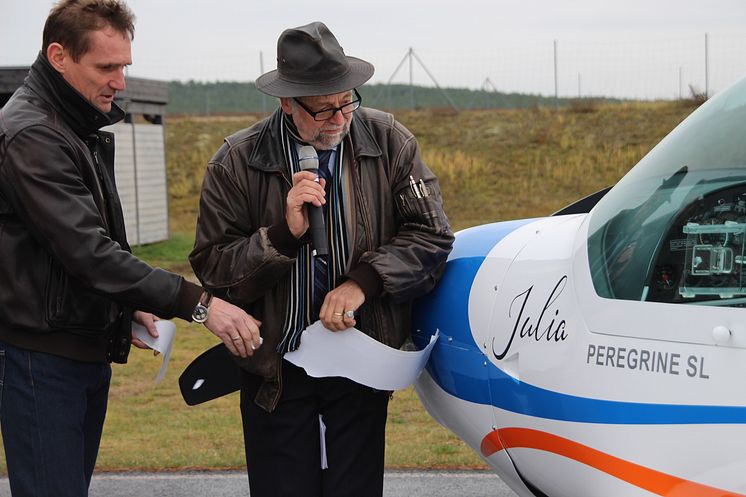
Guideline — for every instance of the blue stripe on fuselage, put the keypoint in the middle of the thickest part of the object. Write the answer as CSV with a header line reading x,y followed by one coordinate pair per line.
x,y
459,366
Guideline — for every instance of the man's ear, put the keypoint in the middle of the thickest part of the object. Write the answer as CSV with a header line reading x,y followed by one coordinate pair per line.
x,y
286,105
57,56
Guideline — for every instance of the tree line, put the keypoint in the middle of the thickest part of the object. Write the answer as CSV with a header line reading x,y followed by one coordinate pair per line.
x,y
194,97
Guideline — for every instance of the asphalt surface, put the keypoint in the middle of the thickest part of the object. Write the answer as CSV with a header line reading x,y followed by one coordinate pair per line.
x,y
235,484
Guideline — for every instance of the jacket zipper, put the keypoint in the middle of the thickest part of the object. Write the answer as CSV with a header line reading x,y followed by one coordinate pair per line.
x,y
101,186
287,180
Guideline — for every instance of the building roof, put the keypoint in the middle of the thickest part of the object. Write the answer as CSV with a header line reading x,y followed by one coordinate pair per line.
x,y
142,96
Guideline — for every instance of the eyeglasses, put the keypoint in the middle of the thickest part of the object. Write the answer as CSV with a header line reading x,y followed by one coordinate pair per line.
x,y
325,114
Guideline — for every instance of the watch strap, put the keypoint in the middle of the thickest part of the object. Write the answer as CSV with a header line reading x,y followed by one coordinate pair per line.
x,y
206,299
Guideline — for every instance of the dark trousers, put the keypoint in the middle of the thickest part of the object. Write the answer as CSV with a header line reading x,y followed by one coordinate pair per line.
x,y
52,413
283,449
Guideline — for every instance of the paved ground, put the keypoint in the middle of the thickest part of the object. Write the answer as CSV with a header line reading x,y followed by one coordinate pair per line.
x,y
234,484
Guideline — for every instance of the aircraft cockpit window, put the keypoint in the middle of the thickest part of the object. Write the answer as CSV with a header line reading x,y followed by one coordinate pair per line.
x,y
674,229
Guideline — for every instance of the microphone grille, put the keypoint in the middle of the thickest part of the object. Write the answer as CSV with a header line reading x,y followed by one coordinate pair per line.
x,y
308,158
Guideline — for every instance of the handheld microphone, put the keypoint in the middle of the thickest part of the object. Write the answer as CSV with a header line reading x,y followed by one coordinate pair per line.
x,y
309,161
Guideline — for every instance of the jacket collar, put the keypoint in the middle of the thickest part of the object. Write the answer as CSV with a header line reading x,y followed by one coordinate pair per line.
x,y
362,138
267,154
78,113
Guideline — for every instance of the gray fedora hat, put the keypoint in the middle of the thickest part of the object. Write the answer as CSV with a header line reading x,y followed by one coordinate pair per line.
x,y
310,62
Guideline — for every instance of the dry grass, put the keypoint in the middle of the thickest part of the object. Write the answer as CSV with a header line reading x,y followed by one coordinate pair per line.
x,y
493,164
150,427
507,164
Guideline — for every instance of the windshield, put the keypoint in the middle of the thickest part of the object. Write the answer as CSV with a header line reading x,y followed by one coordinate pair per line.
x,y
674,228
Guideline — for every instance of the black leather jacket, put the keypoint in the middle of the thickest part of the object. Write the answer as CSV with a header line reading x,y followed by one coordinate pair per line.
x,y
244,248
66,272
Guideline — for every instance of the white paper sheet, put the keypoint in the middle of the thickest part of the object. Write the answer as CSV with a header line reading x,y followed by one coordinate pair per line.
x,y
163,344
353,354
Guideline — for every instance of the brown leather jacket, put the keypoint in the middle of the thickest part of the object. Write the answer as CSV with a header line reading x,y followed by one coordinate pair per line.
x,y
66,273
244,249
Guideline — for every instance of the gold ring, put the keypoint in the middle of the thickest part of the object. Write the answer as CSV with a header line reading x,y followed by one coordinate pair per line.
x,y
338,314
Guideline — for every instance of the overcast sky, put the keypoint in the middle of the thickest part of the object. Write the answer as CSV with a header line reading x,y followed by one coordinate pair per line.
x,y
657,44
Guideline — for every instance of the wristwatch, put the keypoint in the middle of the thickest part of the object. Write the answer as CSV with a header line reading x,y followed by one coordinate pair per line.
x,y
202,309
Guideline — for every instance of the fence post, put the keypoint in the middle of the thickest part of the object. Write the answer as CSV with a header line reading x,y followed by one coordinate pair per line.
x,y
411,79
707,68
556,84
261,71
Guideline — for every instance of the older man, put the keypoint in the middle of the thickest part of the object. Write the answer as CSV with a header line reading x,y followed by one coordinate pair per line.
x,y
382,224
68,282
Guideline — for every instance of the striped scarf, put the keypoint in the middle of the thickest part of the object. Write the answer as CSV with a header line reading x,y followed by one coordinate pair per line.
x,y
298,307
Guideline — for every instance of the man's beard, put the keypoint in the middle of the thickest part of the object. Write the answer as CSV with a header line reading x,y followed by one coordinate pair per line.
x,y
323,141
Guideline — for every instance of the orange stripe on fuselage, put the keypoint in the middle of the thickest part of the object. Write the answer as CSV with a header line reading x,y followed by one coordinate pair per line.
x,y
640,476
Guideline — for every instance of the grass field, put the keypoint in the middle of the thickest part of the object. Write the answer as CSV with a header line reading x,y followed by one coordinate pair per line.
x,y
493,165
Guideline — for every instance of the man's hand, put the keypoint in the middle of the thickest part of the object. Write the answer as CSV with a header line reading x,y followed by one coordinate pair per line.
x,y
147,320
340,304
238,331
305,190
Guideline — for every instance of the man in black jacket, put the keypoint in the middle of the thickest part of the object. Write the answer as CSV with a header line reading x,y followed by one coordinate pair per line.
x,y
387,240
68,282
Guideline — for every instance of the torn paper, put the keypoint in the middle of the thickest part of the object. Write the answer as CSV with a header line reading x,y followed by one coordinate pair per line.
x,y
354,355
163,344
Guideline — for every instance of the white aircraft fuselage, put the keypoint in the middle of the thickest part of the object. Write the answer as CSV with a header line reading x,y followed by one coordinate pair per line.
x,y
604,353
